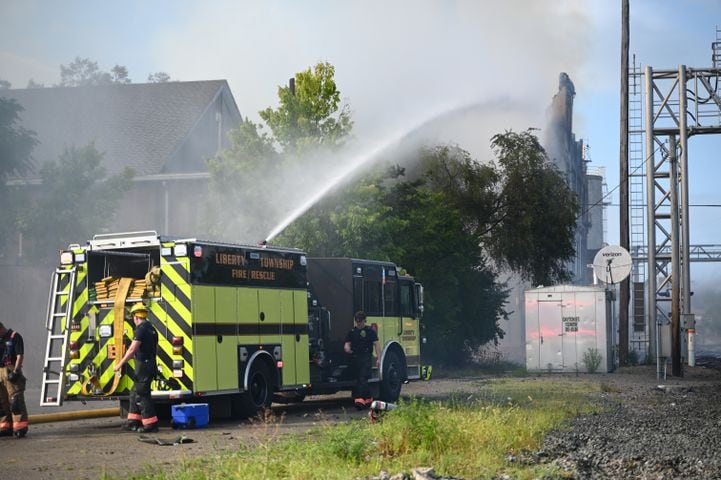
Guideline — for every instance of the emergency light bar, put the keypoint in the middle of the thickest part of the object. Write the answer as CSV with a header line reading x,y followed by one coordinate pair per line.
x,y
67,258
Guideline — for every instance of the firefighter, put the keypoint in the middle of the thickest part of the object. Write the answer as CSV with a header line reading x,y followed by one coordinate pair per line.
x,y
141,414
13,413
361,342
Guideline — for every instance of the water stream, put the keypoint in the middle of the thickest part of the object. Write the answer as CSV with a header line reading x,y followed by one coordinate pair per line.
x,y
354,165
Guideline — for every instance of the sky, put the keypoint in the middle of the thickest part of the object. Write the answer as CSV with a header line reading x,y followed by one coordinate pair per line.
x,y
397,63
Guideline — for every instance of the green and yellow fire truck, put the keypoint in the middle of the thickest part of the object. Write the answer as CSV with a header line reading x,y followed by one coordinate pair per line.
x,y
238,326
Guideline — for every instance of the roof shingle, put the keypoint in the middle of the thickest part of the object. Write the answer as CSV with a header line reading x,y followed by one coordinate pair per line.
x,y
135,125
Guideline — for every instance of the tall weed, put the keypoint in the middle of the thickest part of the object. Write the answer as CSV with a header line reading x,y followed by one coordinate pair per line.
x,y
471,435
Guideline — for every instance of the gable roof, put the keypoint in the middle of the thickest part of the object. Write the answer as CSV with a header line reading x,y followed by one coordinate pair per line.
x,y
134,125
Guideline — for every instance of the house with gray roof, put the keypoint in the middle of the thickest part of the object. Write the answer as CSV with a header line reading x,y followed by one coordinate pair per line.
x,y
164,131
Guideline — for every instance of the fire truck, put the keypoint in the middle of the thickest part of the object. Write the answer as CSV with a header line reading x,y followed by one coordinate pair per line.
x,y
238,326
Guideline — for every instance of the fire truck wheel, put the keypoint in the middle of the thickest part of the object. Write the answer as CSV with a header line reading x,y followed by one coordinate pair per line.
x,y
259,394
392,378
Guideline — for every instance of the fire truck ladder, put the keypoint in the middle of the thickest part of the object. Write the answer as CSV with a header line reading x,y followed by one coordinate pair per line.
x,y
60,308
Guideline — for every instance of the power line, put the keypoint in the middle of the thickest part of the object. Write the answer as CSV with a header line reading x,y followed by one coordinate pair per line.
x,y
622,182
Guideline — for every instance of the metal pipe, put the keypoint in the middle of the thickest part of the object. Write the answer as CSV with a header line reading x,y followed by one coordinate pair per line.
x,y
76,415
685,218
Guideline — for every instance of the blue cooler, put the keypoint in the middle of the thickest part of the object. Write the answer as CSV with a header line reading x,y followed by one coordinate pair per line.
x,y
190,415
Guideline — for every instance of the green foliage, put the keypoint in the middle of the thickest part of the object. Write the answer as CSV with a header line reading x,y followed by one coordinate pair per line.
x,y
470,435
83,72
240,177
252,169
33,84
312,116
158,77
75,201
632,357
414,224
16,142
351,443
16,146
451,222
441,227
537,211
592,360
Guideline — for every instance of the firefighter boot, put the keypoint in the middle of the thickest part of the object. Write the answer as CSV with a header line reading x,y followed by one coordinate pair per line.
x,y
6,433
130,426
21,433
149,428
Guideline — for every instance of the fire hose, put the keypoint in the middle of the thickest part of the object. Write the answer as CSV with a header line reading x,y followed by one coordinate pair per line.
x,y
76,415
119,339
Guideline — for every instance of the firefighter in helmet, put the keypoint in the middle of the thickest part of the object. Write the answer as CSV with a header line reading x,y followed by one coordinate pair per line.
x,y
13,413
141,414
360,343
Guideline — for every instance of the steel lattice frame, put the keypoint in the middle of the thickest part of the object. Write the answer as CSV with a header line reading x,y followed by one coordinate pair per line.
x,y
678,104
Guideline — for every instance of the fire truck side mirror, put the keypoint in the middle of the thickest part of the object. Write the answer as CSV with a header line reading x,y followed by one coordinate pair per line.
x,y
419,300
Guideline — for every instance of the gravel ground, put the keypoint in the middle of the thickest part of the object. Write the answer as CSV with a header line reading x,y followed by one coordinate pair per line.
x,y
651,429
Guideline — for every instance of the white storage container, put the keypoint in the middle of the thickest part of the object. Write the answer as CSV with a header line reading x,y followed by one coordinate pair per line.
x,y
565,322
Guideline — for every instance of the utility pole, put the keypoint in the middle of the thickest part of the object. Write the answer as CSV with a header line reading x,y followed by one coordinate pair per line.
x,y
624,186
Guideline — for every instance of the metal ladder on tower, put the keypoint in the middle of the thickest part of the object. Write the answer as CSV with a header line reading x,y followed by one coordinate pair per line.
x,y
60,311
637,206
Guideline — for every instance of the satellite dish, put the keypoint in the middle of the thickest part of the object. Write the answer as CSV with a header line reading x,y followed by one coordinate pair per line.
x,y
612,264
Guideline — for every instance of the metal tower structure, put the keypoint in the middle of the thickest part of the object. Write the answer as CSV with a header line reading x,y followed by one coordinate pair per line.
x,y
677,104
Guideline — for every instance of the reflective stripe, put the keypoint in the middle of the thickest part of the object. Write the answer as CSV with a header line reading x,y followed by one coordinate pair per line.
x,y
5,426
134,416
149,421
20,425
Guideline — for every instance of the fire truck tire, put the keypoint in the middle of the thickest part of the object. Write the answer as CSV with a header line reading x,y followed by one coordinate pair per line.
x,y
259,394
390,388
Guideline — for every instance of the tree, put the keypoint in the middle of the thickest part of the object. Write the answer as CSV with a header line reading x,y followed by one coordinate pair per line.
x,y
84,72
386,217
241,178
33,84
5,85
119,74
16,146
446,221
75,200
521,209
16,142
536,220
158,77
310,116
258,164
450,225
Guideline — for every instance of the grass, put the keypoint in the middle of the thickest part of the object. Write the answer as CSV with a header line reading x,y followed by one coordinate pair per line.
x,y
469,435
475,370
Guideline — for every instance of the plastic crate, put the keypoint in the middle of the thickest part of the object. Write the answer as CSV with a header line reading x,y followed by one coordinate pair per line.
x,y
190,415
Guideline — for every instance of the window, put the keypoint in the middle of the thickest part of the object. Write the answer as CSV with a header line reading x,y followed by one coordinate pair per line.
x,y
372,297
407,299
357,294
390,298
